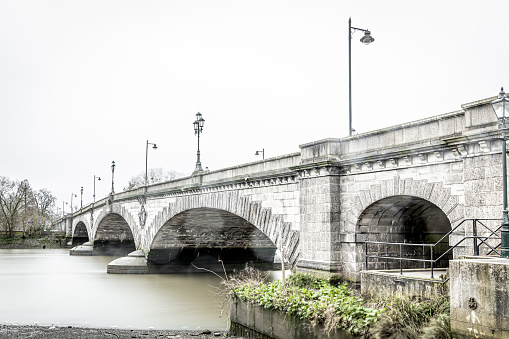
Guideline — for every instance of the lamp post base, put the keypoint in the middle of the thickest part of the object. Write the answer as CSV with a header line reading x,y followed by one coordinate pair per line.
x,y
198,169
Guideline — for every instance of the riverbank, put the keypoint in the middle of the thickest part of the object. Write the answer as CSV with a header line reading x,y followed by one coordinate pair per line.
x,y
52,332
46,241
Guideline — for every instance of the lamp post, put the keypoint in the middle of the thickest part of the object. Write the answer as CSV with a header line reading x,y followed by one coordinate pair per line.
x,y
154,146
112,176
366,39
98,179
63,210
81,204
263,153
501,108
198,128
72,194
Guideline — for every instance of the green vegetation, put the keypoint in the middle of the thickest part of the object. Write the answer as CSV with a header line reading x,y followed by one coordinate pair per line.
x,y
46,241
336,305
315,299
413,319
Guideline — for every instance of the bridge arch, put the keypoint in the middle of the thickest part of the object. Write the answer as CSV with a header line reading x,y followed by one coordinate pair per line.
x,y
79,234
404,210
203,235
80,220
435,193
112,235
271,225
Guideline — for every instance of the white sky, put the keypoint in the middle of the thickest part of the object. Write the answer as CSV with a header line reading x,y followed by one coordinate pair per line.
x,y
83,83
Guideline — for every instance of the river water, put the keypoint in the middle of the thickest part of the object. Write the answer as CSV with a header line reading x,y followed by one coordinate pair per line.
x,y
50,287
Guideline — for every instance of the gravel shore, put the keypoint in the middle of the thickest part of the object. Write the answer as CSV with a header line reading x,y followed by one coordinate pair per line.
x,y
53,332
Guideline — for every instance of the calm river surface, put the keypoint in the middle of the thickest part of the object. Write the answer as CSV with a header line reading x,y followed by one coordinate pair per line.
x,y
50,287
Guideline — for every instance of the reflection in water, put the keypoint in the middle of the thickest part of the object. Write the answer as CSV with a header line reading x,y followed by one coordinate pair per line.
x,y
51,287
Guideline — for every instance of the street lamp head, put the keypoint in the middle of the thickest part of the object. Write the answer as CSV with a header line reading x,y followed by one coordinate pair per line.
x,y
367,38
501,105
113,165
99,178
154,147
257,153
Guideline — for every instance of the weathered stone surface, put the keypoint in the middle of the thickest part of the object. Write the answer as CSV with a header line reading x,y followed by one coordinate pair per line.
x,y
409,285
274,324
480,298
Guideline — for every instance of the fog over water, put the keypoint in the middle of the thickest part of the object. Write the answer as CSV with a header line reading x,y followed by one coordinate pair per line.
x,y
50,287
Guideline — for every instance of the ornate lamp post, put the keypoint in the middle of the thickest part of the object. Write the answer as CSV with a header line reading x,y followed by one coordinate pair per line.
x,y
198,128
366,39
112,176
501,108
154,146
81,204
98,179
263,153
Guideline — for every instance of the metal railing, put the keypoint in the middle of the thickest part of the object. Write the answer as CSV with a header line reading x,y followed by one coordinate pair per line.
x,y
478,241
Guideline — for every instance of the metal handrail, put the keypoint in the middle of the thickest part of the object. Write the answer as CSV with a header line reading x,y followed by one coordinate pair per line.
x,y
483,240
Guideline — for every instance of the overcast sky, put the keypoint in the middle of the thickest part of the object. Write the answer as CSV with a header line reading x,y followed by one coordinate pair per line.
x,y
83,83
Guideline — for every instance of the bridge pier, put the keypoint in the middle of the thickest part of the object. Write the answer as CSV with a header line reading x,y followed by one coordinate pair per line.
x,y
85,249
133,263
319,200
194,260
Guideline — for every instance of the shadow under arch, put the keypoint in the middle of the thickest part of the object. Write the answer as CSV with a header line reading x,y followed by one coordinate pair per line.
x,y
404,219
201,236
113,236
80,234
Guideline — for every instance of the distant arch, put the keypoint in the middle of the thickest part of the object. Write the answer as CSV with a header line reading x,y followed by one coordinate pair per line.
x,y
81,220
113,236
79,234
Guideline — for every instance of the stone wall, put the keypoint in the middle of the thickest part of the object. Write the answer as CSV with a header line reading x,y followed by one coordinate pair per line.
x,y
258,322
483,194
480,298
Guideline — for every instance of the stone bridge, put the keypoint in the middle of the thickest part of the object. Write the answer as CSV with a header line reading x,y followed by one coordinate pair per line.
x,y
407,183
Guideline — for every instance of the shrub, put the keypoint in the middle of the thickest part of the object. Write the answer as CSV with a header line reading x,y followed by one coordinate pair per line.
x,y
315,299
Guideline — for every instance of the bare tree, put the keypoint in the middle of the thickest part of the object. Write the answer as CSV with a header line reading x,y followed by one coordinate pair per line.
x,y
11,202
44,201
154,176
23,208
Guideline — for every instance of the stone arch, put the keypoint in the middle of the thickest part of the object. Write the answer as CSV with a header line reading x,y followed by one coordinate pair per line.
x,y
203,235
83,220
435,193
404,210
79,234
121,211
273,226
112,235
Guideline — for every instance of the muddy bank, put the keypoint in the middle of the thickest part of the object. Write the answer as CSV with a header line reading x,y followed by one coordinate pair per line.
x,y
31,243
52,332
